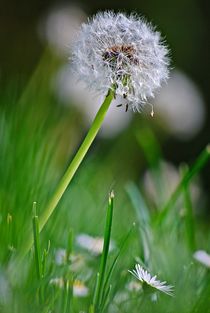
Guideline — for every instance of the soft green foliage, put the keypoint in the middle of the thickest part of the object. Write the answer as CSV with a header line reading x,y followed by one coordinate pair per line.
x,y
37,139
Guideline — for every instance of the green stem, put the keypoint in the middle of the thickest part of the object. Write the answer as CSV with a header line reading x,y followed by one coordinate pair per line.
x,y
71,170
37,248
104,256
188,216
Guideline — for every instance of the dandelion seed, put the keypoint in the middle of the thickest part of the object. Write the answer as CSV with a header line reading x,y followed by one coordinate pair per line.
x,y
146,278
121,52
152,111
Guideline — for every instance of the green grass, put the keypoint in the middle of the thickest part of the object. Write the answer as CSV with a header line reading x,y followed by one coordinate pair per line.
x,y
38,138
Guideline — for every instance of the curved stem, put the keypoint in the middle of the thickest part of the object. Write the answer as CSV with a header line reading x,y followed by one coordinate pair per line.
x,y
71,170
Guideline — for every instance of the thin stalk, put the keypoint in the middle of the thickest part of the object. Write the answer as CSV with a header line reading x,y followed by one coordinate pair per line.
x,y
37,248
71,170
69,248
95,295
67,297
104,256
9,231
37,251
189,216
44,258
122,246
105,300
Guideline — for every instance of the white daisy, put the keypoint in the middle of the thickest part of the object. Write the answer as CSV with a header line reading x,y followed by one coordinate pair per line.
x,y
145,277
120,52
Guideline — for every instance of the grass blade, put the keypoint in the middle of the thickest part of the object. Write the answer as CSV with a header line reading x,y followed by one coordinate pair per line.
x,y
69,248
67,297
124,242
44,258
71,170
92,307
37,248
143,217
139,204
150,146
189,218
104,256
196,167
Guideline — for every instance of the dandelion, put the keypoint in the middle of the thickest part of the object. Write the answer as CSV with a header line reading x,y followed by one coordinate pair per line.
x,y
116,55
146,278
121,51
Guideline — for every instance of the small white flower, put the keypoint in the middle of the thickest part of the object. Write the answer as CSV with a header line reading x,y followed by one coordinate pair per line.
x,y
203,257
120,51
60,256
134,286
92,244
57,281
79,289
145,277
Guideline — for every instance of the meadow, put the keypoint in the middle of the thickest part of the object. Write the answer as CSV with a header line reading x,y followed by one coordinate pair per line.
x,y
124,192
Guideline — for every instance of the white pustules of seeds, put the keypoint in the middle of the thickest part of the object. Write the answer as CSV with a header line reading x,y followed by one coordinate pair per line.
x,y
121,52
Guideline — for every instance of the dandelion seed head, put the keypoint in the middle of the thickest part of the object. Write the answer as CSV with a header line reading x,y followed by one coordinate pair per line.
x,y
121,52
145,277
